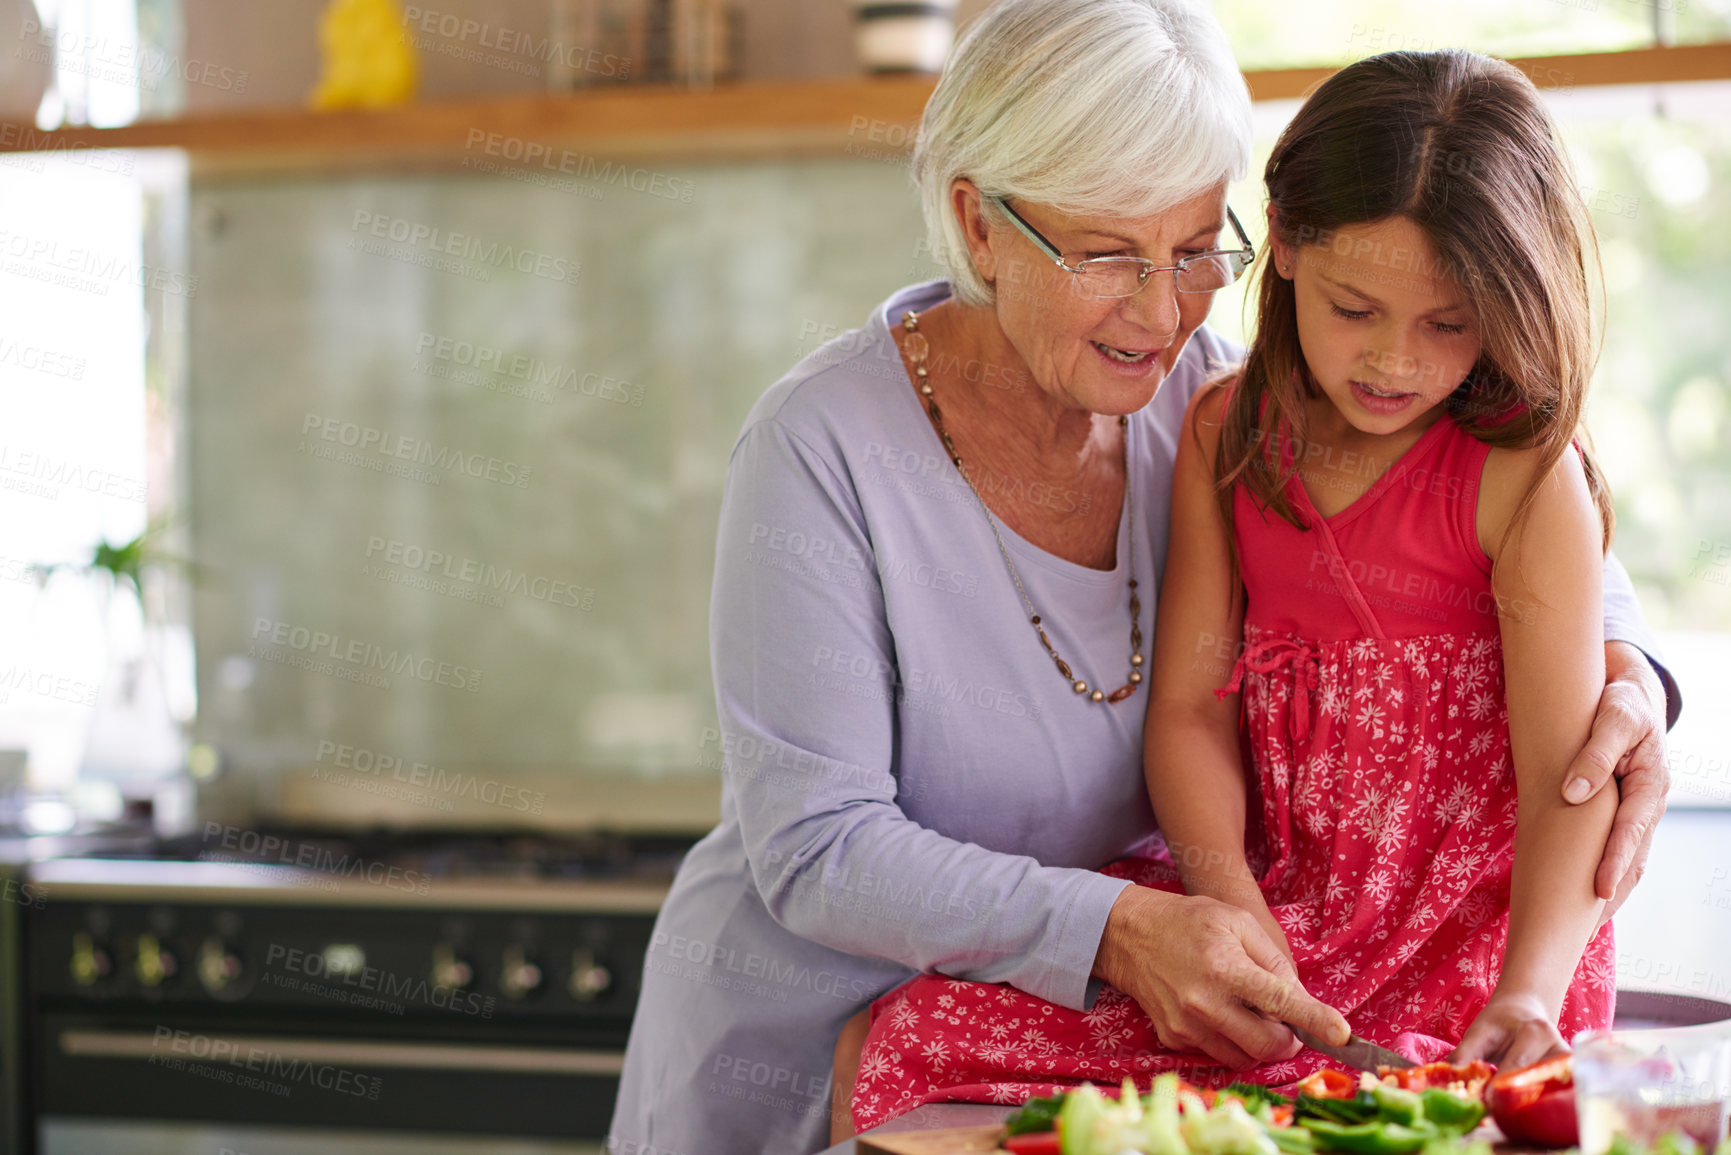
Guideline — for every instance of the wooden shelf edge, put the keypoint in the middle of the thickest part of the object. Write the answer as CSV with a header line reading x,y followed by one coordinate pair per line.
x,y
633,120
1674,65
871,116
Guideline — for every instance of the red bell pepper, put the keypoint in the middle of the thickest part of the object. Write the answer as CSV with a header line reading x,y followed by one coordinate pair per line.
x,y
1473,1076
1329,1083
1536,1104
1036,1143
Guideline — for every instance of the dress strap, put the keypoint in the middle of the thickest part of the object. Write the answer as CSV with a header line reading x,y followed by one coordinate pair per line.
x,y
1342,575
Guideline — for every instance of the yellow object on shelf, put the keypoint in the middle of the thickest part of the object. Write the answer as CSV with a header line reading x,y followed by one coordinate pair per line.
x,y
368,60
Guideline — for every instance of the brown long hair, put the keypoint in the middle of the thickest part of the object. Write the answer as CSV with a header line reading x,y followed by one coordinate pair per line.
x,y
1461,145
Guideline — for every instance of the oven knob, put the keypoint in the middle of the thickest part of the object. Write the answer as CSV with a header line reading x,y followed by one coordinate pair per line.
x,y
344,960
90,963
155,964
588,977
218,967
449,971
519,977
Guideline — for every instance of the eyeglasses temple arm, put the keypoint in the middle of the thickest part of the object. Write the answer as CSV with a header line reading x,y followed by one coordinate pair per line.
x,y
1027,230
1242,235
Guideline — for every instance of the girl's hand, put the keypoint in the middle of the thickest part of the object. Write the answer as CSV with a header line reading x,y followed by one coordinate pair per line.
x,y
1512,1031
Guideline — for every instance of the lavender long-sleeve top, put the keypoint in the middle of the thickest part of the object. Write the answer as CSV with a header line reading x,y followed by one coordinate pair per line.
x,y
908,783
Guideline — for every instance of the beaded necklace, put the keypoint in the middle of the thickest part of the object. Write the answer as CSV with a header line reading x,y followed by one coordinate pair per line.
x,y
918,349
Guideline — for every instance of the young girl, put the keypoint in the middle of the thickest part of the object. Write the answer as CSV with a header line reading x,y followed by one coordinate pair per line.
x,y
1383,596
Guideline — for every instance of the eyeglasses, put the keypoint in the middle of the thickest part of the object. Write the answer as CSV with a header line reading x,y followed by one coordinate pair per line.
x,y
1113,277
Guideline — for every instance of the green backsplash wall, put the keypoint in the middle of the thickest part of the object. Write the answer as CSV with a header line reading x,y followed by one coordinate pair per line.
x,y
693,296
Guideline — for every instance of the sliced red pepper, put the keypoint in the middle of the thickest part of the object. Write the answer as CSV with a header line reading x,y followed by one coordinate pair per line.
x,y
1036,1143
1329,1084
1473,1075
1536,1104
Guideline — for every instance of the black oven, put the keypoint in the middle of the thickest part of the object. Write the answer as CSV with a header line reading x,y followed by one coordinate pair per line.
x,y
379,993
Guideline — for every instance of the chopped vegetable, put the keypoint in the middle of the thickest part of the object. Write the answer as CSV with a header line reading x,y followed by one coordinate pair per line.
x,y
1191,1100
1329,1084
1086,1121
1035,1115
1175,1118
1371,1138
1292,1140
1091,1124
1266,1106
1160,1124
1453,1145
1357,1109
1036,1143
1536,1104
1450,1111
1670,1143
1674,1143
1250,1094
1227,1130
1396,1105
1469,1079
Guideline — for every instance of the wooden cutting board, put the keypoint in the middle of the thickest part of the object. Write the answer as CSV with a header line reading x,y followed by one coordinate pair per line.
x,y
949,1141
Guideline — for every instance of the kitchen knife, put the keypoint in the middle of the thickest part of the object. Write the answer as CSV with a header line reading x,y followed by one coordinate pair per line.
x,y
1358,1054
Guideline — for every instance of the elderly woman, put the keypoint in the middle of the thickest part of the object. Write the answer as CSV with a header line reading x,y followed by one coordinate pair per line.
x,y
939,550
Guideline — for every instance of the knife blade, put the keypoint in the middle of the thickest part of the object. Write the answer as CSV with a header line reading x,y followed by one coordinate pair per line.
x,y
1358,1054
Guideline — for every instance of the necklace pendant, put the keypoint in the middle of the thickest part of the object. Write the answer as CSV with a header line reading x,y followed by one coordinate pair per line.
x,y
1122,692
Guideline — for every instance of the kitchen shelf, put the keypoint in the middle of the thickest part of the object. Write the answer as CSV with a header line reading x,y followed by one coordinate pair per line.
x,y
638,122
872,116
1673,65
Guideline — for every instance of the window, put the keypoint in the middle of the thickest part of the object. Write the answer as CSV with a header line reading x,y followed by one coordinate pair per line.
x,y
1335,31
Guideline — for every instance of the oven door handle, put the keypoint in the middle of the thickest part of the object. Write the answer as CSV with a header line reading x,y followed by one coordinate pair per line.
x,y
345,1052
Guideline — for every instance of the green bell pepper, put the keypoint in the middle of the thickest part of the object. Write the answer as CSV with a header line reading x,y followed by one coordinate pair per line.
x,y
1371,1138
1450,1111
1397,1106
1292,1140
1361,1108
1036,1115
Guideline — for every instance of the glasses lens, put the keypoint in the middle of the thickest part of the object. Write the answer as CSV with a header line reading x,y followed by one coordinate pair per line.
x,y
1109,277
1209,272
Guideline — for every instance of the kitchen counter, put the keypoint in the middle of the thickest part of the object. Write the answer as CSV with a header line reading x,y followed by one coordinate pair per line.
x,y
936,1116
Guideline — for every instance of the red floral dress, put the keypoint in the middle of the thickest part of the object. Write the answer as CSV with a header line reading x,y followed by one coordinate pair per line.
x,y
1383,814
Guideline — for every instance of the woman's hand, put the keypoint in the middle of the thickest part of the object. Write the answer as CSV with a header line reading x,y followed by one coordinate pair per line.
x,y
1243,893
1627,745
1512,1031
1209,978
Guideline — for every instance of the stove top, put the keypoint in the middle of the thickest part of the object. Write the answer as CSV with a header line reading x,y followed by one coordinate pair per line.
x,y
378,867
450,855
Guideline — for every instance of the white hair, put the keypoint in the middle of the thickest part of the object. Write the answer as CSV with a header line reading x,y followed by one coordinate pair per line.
x,y
1120,108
